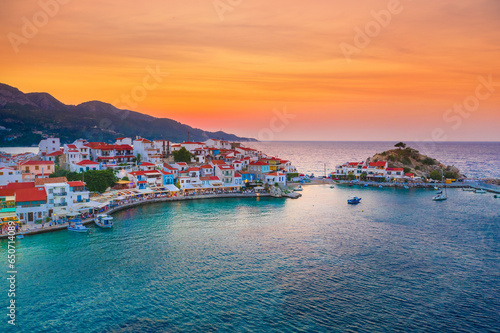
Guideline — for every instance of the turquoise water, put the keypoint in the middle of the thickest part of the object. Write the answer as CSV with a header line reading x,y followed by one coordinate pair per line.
x,y
396,262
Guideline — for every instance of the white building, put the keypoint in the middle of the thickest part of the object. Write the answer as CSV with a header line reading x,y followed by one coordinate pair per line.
x,y
275,177
123,141
84,165
78,192
50,145
58,195
10,175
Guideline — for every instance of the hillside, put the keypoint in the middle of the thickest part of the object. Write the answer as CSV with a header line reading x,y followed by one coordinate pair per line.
x,y
26,118
414,162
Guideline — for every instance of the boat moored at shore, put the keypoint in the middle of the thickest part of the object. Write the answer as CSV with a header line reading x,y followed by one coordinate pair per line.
x,y
104,221
77,227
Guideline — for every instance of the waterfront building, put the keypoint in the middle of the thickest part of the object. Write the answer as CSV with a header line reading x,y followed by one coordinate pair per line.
x,y
396,173
31,204
225,173
272,178
259,168
78,192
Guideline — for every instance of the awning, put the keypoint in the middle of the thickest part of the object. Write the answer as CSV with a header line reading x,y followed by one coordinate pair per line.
x,y
147,191
171,188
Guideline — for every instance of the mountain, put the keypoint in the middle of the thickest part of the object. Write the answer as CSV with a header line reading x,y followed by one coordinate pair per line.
x,y
26,118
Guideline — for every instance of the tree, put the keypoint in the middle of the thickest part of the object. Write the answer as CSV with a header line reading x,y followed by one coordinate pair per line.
x,y
99,180
182,155
406,170
351,177
137,159
436,175
125,178
178,184
400,145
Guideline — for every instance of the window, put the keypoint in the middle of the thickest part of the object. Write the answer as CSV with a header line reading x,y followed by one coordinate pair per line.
x,y
37,167
1,173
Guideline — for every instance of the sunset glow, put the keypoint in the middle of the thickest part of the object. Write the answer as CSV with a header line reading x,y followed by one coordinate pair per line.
x,y
227,67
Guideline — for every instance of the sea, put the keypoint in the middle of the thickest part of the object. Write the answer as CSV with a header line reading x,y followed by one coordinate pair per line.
x,y
396,262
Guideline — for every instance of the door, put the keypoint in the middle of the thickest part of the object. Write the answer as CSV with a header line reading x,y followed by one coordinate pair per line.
x,y
30,217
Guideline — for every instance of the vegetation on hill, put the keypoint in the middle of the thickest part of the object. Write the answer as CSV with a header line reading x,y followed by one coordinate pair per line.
x,y
413,162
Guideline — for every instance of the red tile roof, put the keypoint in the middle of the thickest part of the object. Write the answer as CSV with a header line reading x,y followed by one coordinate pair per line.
x,y
31,194
14,186
31,162
394,169
147,164
56,153
379,163
55,180
258,163
193,169
87,162
76,183
206,166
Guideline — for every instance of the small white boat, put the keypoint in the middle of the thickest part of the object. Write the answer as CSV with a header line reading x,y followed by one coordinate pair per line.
x,y
78,227
380,186
104,221
407,187
468,189
440,196
353,200
480,191
19,236
436,188
298,188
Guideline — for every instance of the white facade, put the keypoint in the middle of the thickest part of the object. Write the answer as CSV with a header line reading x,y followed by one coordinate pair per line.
x,y
58,195
10,175
49,145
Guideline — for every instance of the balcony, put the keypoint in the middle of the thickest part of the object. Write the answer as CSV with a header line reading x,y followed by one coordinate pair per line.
x,y
61,204
60,194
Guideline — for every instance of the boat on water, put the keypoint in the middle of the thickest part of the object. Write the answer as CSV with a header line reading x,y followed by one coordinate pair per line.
x,y
331,186
353,200
77,227
468,189
480,191
380,186
407,187
440,196
436,188
366,185
104,221
19,236
496,196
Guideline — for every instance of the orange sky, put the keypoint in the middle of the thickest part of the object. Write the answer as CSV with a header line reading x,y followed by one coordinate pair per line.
x,y
229,70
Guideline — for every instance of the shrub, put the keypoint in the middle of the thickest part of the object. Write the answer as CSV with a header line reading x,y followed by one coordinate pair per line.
x,y
406,160
406,169
428,161
436,175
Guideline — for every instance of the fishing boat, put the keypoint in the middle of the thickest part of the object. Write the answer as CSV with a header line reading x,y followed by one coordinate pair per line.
x,y
104,221
440,196
468,189
78,227
353,200
480,191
